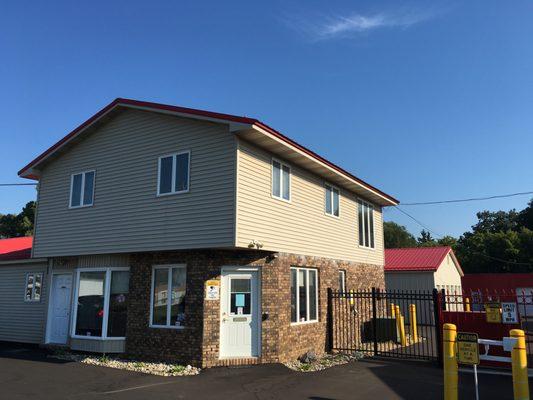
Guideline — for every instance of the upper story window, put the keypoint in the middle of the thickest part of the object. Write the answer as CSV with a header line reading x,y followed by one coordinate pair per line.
x,y
366,224
82,189
33,287
173,173
281,180
332,200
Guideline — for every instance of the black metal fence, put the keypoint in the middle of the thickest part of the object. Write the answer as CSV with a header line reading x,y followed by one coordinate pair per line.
x,y
399,324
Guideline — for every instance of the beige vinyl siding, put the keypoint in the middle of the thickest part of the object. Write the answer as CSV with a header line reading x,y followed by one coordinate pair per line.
x,y
21,321
127,215
300,226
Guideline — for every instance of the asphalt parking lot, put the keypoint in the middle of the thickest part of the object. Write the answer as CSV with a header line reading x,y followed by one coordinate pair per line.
x,y
27,373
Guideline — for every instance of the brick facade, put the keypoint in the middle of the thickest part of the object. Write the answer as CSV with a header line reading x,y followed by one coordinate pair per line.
x,y
198,343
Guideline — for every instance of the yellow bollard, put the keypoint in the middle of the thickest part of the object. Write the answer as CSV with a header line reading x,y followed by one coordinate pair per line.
x,y
519,362
397,315
352,297
414,329
467,304
450,362
403,339
392,310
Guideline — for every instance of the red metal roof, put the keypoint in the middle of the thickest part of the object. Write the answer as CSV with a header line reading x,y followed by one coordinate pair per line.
x,y
16,248
415,259
203,113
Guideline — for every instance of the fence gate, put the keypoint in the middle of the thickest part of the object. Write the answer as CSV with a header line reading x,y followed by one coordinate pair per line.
x,y
370,322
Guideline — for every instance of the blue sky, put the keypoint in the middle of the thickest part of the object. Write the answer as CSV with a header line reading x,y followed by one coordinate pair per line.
x,y
426,101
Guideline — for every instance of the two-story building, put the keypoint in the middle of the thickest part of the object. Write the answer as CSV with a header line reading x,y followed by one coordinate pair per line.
x,y
197,236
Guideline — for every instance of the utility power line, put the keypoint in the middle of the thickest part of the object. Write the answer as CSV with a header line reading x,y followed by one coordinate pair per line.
x,y
499,196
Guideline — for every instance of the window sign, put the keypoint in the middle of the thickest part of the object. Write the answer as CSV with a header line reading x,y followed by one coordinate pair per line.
x,y
509,313
212,290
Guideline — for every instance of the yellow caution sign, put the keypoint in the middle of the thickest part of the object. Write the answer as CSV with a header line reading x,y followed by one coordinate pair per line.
x,y
467,348
493,311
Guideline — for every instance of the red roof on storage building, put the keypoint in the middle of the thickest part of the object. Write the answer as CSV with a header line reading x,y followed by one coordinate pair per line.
x,y
15,248
416,259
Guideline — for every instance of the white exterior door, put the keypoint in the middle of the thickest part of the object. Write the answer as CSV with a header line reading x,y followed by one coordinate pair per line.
x,y
240,333
60,308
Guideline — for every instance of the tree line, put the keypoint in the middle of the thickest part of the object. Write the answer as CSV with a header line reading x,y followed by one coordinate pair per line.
x,y
500,241
17,225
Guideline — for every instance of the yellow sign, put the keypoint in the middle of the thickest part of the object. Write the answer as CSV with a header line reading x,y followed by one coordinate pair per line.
x,y
467,348
493,311
212,289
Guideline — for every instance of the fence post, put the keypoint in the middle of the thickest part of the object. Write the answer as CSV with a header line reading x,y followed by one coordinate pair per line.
x,y
519,363
443,299
436,315
330,321
374,321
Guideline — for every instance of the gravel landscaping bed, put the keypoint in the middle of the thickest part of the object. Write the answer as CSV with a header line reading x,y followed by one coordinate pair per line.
x,y
312,363
154,368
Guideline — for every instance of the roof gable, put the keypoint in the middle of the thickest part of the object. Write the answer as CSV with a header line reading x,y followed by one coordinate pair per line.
x,y
418,259
236,123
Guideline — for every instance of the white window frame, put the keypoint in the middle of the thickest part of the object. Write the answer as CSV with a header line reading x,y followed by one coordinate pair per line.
x,y
32,299
82,194
366,229
308,320
333,187
282,164
107,294
168,267
342,280
173,182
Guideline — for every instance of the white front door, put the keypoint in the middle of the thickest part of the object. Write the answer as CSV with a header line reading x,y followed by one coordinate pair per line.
x,y
60,307
240,301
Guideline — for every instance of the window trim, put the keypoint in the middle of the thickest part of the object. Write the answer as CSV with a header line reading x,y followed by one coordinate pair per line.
x,y
32,300
107,293
169,285
308,321
282,164
173,179
360,202
342,273
82,193
326,184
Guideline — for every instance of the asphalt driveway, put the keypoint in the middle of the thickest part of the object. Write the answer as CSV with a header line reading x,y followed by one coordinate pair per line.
x,y
26,373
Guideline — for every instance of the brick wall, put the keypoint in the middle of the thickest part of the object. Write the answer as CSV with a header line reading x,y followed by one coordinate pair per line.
x,y
198,343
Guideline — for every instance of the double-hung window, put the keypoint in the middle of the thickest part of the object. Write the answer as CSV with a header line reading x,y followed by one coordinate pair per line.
x,y
168,295
366,224
173,173
304,295
82,189
281,180
102,303
33,288
332,200
342,280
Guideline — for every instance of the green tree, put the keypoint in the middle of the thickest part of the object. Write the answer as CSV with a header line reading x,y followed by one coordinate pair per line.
x,y
15,225
525,217
397,236
426,240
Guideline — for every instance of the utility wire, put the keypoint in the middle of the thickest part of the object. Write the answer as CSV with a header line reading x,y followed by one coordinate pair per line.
x,y
18,184
500,196
475,252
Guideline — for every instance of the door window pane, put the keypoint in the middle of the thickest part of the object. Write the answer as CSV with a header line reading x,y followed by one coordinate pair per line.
x,y
75,196
118,304
240,296
90,312
159,313
312,295
177,305
165,174
276,179
182,172
88,188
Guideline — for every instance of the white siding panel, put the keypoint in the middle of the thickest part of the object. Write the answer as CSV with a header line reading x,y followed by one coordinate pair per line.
x,y
127,216
301,225
21,321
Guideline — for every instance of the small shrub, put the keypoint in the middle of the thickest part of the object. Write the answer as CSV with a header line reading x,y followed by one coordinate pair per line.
x,y
139,365
104,359
176,369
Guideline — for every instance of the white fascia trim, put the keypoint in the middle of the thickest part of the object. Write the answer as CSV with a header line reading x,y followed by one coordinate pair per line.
x,y
264,132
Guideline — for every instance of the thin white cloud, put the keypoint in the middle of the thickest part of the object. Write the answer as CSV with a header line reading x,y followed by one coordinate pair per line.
x,y
329,27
